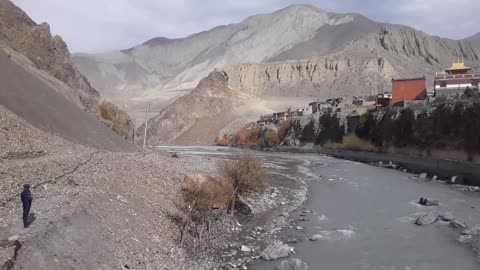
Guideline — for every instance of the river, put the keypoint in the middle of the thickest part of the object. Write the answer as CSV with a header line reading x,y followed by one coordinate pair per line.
x,y
364,216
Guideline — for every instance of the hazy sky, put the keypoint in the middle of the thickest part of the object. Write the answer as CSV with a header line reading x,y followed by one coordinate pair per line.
x,y
103,25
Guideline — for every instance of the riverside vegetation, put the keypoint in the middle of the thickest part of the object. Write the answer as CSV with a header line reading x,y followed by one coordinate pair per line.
x,y
207,200
442,126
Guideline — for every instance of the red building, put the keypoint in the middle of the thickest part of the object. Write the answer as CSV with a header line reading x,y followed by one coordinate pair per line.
x,y
408,89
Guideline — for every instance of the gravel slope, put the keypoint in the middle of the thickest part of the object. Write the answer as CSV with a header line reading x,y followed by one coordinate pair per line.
x,y
38,103
93,209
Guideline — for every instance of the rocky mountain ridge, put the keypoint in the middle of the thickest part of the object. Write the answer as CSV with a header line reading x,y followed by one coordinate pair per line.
x,y
162,64
47,57
211,100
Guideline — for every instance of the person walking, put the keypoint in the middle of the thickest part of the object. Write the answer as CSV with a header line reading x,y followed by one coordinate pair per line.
x,y
26,197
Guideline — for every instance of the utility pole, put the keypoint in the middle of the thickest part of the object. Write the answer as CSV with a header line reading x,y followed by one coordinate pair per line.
x,y
146,125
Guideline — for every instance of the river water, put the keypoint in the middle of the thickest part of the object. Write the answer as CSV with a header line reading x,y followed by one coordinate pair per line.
x,y
364,216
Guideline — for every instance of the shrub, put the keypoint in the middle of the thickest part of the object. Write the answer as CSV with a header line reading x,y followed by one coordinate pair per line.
x,y
272,138
284,128
105,112
225,141
330,128
245,175
201,196
353,142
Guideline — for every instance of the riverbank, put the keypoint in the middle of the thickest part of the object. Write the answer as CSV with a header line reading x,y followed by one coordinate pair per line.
x,y
240,239
442,168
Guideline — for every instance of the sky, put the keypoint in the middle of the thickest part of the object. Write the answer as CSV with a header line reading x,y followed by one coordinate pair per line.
x,y
106,25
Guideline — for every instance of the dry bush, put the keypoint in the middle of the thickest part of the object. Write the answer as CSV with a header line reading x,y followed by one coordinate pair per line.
x,y
245,174
203,194
272,138
284,128
225,141
354,143
105,112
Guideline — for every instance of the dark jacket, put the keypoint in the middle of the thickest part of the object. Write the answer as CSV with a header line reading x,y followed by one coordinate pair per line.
x,y
26,197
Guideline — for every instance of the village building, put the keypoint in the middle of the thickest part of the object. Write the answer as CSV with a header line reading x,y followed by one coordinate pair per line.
x,y
455,81
408,90
383,100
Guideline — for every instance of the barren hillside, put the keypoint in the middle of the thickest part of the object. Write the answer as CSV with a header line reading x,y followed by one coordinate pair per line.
x,y
32,47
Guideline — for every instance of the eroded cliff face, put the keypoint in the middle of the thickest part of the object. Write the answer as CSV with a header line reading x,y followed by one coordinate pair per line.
x,y
196,113
50,54
364,67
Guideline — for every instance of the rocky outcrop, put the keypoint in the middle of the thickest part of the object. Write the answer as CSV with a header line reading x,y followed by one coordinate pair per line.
x,y
48,53
34,48
212,100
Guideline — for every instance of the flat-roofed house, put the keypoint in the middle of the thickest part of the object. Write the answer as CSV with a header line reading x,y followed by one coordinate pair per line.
x,y
408,90
455,80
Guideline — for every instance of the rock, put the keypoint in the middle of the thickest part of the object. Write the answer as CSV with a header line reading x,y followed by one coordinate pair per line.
x,y
316,237
457,180
243,208
300,228
121,198
423,176
429,202
472,231
293,264
245,249
445,217
426,219
277,250
14,238
457,224
465,239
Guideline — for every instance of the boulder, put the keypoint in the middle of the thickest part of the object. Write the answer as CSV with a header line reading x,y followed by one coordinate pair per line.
x,y
465,239
457,224
423,176
457,180
316,237
426,219
472,231
447,217
429,202
277,250
243,208
293,264
245,249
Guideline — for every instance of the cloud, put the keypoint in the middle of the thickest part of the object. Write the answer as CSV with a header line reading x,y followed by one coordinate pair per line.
x,y
103,25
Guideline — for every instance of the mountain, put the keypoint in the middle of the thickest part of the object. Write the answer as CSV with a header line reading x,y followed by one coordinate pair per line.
x,y
365,66
166,68
206,110
276,61
475,39
42,85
